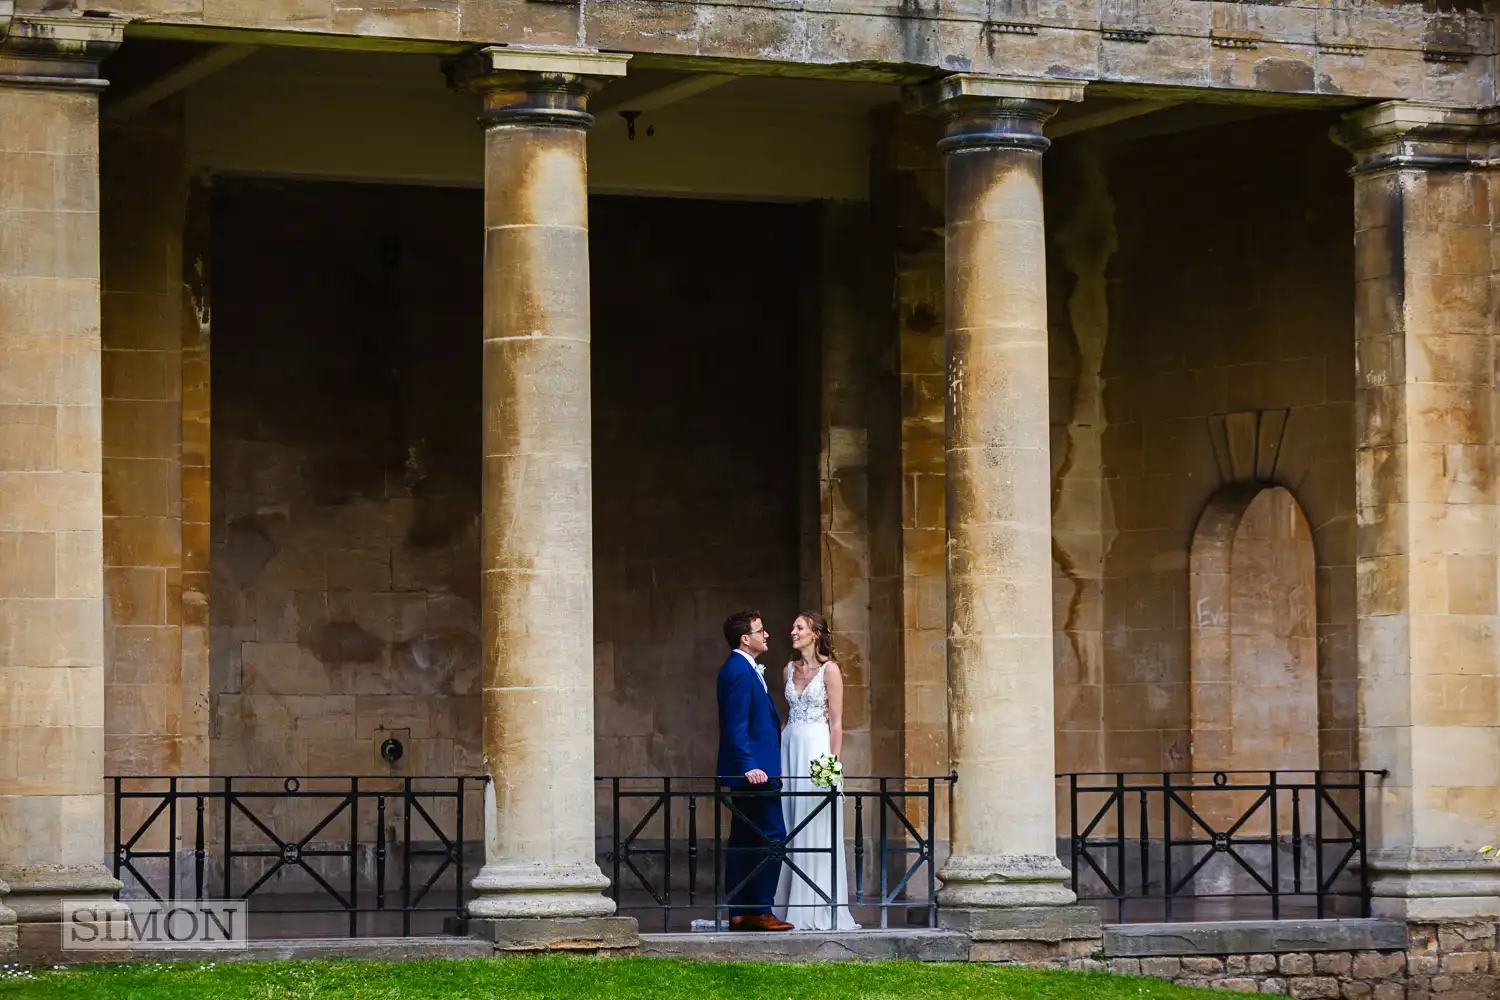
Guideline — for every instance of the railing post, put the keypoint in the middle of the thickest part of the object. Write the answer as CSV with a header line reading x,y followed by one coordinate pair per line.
x,y
1145,844
199,849
228,836
172,839
354,857
885,901
118,842
1166,843
458,846
1296,841
615,838
406,796
859,848
380,851
666,845
1275,839
692,851
1364,861
1073,831
721,908
1318,794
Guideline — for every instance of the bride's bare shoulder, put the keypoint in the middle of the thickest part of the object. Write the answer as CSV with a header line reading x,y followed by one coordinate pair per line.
x,y
832,667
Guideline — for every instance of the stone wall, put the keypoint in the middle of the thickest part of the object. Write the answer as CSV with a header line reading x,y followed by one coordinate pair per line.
x,y
1236,300
345,480
698,471
347,459
156,664
909,587
1334,960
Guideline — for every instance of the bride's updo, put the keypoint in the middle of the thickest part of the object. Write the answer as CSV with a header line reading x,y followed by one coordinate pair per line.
x,y
819,625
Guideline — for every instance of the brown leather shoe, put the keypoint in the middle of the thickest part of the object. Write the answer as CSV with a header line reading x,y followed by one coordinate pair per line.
x,y
758,922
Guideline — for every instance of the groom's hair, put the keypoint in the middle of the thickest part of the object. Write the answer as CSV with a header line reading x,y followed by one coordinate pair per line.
x,y
737,626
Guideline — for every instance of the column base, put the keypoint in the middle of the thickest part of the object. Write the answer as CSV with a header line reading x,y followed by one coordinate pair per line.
x,y
510,891
36,897
1001,880
592,934
37,892
1029,935
7,927
1434,885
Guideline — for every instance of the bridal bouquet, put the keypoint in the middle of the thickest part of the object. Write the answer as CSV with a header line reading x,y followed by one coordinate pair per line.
x,y
827,771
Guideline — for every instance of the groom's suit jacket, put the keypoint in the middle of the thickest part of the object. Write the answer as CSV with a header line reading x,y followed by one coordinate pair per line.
x,y
749,724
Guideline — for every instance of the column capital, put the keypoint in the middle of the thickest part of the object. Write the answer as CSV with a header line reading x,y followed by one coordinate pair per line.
x,y
60,52
1421,135
523,85
993,112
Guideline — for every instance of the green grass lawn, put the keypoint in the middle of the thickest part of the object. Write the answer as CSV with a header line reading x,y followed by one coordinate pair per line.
x,y
570,978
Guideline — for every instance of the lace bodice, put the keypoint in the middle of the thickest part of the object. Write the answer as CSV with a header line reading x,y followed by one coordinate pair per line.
x,y
812,704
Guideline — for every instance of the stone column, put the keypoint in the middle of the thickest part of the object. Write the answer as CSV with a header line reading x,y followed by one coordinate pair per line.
x,y
537,515
998,476
52,827
1427,494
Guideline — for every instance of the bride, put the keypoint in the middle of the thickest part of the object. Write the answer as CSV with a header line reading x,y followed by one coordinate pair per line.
x,y
814,727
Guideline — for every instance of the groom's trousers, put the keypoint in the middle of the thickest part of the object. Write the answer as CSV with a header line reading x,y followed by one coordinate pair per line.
x,y
756,825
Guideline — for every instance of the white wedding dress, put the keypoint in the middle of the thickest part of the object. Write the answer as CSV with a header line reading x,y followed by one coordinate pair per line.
x,y
806,737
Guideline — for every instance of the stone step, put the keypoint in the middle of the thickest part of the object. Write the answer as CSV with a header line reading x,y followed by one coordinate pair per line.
x,y
911,944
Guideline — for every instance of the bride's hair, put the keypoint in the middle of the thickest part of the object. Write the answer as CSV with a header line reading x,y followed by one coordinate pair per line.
x,y
819,624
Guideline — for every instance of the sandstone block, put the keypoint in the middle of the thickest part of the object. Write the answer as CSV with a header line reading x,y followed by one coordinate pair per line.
x,y
1238,984
1336,963
1422,965
1262,963
1203,966
1273,986
581,934
1353,990
1377,965
1161,968
1296,964
1237,965
1125,966
1313,987
1389,991
1463,962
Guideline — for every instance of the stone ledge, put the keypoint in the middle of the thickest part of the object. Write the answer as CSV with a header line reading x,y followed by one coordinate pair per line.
x,y
557,933
41,945
1049,924
1245,937
917,945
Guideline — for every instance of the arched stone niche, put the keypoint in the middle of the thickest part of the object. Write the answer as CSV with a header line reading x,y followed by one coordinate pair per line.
x,y
1254,648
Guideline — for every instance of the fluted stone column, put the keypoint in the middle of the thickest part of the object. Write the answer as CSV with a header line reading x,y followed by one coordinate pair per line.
x,y
52,810
1427,272
537,515
998,477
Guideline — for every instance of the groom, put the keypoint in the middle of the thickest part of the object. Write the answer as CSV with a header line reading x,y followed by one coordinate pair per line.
x,y
750,765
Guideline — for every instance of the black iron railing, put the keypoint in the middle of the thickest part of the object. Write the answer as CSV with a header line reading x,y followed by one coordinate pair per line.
x,y
358,848
1198,845
666,844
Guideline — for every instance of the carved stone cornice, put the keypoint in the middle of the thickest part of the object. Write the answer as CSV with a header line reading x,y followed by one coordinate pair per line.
x,y
1398,135
37,51
536,86
989,112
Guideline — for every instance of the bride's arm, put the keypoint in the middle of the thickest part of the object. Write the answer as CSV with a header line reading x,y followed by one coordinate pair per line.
x,y
833,679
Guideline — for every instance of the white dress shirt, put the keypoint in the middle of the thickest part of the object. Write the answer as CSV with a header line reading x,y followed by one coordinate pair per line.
x,y
760,671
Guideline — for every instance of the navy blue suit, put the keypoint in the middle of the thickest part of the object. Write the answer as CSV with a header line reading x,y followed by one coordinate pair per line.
x,y
750,739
